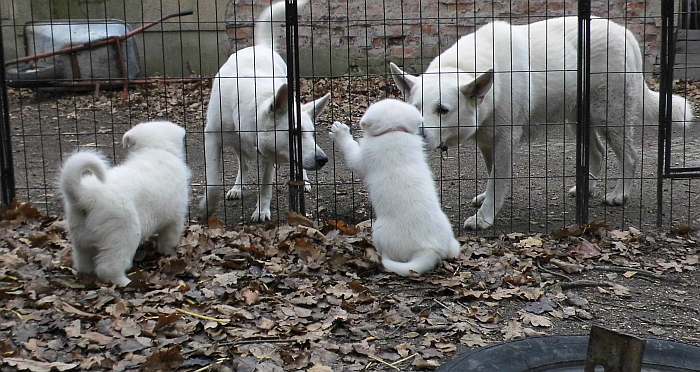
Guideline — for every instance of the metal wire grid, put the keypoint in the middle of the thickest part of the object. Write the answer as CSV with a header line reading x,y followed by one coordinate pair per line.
x,y
539,201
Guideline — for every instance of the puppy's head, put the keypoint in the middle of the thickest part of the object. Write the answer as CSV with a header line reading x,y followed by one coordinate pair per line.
x,y
162,135
276,143
388,115
450,101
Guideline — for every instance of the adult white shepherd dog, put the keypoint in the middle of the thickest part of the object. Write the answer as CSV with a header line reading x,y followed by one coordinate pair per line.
x,y
494,82
248,111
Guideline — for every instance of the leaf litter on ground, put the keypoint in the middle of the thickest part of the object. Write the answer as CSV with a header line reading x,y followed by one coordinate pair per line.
x,y
304,296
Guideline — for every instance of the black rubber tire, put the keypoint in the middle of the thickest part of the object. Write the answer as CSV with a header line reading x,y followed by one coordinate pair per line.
x,y
541,353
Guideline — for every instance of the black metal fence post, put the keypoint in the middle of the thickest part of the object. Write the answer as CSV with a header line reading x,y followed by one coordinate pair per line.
x,y
296,175
583,111
665,106
7,173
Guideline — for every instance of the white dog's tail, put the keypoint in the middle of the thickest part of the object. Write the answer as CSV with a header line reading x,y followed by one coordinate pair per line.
x,y
73,171
419,264
267,22
682,111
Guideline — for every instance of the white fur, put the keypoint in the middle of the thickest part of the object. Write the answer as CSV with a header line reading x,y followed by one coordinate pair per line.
x,y
111,211
411,232
248,111
494,107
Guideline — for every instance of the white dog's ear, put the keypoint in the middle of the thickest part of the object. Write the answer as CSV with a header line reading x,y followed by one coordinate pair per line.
x,y
316,107
403,80
127,141
479,87
279,104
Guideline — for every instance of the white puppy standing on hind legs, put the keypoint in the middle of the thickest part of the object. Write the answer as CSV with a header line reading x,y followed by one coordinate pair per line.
x,y
112,210
411,233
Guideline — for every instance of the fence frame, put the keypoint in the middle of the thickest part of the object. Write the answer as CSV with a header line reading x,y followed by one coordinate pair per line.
x,y
7,165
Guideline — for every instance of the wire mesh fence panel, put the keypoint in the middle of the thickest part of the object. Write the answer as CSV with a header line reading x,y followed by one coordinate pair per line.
x,y
504,159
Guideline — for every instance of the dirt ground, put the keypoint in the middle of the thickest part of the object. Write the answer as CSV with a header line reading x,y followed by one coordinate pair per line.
x,y
266,298
48,127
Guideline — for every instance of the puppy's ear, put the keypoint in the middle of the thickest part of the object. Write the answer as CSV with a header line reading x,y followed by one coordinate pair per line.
x,y
479,87
127,141
280,102
404,81
315,108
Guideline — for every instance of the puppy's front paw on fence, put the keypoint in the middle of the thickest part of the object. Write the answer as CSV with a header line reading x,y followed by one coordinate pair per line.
x,y
339,130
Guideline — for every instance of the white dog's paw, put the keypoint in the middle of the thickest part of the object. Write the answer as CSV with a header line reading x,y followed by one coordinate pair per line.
x,y
591,191
615,198
234,193
339,130
261,215
478,200
307,187
477,222
121,281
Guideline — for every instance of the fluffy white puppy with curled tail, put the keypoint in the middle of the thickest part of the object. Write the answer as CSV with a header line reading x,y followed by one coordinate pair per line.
x,y
112,210
411,233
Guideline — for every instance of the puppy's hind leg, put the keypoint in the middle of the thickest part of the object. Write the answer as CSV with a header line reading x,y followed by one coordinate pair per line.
x,y
116,257
169,237
83,259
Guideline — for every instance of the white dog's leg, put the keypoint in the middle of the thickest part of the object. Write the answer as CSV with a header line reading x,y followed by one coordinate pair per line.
x,y
213,142
236,192
627,158
307,183
169,237
83,260
596,161
115,257
262,210
497,188
487,154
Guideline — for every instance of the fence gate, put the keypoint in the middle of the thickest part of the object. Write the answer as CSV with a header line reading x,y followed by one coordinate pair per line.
x,y
667,62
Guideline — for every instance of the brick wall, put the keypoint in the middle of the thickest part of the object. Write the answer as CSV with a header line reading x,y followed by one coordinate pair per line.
x,y
359,35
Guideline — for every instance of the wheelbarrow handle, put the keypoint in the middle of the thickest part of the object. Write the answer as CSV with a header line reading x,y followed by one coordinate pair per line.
x,y
149,25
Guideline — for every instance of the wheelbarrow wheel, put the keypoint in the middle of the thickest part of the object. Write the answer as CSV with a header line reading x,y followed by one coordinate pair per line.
x,y
26,75
567,353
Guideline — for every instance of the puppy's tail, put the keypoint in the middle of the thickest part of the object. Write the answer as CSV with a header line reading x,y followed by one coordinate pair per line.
x,y
268,20
74,169
681,112
419,264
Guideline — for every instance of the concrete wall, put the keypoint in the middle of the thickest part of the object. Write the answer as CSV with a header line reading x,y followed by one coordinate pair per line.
x,y
364,34
336,35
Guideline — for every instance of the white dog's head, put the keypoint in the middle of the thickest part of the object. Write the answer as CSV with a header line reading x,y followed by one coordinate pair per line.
x,y
162,135
448,101
276,143
390,115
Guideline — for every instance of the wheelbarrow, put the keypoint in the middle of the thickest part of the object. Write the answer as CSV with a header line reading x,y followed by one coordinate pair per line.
x,y
80,55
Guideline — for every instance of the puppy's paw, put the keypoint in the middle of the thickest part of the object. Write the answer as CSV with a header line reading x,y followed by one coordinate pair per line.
x,y
615,198
261,215
478,200
477,222
339,130
236,192
307,187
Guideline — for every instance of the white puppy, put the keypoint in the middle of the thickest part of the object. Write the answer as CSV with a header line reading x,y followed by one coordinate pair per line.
x,y
248,111
111,211
494,83
411,231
